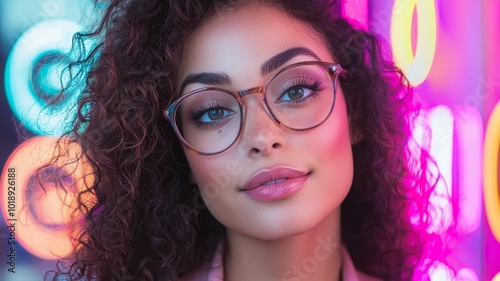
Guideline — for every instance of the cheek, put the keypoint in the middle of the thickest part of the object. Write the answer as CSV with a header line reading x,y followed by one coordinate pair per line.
x,y
336,144
214,175
332,150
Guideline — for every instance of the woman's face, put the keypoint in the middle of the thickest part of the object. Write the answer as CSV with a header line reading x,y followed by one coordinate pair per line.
x,y
298,178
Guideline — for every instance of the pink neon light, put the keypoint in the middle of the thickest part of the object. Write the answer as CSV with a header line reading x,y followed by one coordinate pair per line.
x,y
441,272
491,37
470,147
466,274
441,121
356,11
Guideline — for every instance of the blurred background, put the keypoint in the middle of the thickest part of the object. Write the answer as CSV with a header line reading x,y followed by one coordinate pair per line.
x,y
447,48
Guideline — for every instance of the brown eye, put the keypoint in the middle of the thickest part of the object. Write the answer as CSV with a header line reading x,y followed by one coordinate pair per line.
x,y
295,93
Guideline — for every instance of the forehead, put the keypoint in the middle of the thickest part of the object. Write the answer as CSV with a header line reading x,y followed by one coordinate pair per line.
x,y
238,40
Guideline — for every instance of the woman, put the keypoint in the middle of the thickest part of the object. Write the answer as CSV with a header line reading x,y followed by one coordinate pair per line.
x,y
246,140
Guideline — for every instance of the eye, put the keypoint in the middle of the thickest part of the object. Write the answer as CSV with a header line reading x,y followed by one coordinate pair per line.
x,y
300,90
209,115
295,93
214,114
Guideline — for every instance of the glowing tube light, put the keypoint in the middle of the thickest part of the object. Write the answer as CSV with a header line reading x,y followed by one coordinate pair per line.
x,y
466,274
417,67
469,141
490,172
440,272
441,121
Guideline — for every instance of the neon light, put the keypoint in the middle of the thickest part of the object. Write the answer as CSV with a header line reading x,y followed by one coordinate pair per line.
x,y
496,277
466,274
31,205
469,140
440,272
441,121
48,37
490,172
418,133
417,67
357,11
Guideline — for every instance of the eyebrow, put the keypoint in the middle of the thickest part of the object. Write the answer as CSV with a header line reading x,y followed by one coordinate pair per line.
x,y
221,78
278,60
209,78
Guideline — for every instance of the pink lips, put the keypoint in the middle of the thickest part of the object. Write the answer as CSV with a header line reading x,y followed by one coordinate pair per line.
x,y
274,184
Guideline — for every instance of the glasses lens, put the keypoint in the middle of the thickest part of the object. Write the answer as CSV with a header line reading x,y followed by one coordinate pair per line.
x,y
209,121
301,97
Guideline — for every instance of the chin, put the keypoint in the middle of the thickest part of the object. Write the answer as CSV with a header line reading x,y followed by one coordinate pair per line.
x,y
287,227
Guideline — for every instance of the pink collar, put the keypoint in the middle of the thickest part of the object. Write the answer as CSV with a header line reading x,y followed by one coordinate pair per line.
x,y
216,271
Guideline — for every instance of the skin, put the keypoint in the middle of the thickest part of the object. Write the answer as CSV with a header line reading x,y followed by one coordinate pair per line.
x,y
268,240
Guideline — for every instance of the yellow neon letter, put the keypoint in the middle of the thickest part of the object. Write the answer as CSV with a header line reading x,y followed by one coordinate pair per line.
x,y
490,172
417,67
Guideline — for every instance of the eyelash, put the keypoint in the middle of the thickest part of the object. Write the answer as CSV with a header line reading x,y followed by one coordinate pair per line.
x,y
304,82
194,115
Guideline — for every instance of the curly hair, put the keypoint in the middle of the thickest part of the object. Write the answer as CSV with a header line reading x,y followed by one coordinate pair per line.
x,y
148,221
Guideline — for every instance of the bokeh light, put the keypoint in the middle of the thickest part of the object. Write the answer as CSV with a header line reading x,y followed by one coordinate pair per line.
x,y
33,77
44,202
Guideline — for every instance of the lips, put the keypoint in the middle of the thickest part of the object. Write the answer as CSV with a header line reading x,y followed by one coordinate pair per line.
x,y
276,183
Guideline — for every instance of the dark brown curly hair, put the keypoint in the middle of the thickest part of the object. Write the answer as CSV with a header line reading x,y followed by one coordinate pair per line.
x,y
149,222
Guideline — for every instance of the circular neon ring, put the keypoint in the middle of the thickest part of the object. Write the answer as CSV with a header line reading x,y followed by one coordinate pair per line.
x,y
46,36
417,67
26,159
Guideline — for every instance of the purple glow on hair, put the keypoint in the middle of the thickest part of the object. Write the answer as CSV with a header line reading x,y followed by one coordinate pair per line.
x,y
356,11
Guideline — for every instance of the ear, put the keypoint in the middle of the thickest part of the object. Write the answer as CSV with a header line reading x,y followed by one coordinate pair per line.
x,y
192,179
355,134
356,137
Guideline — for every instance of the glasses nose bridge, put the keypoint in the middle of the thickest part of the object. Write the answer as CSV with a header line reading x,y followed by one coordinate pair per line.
x,y
254,90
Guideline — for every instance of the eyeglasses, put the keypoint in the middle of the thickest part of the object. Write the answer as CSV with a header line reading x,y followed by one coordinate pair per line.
x,y
300,97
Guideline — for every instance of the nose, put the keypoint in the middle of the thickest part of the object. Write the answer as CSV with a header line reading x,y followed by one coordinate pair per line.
x,y
261,134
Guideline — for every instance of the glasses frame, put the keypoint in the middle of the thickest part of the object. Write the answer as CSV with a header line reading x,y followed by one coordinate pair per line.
x,y
333,69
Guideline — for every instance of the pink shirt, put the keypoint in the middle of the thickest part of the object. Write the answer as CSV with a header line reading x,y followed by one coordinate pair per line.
x,y
216,271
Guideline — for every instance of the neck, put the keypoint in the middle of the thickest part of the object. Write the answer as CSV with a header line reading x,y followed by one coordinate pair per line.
x,y
313,255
